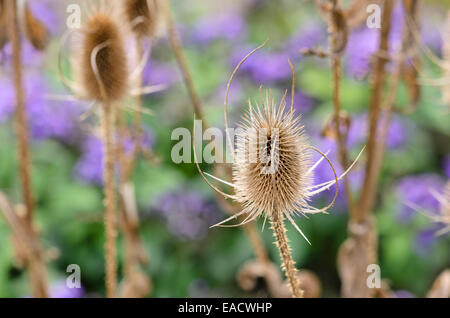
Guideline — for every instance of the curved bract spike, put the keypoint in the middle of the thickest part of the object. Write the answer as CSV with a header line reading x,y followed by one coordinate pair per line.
x,y
148,89
336,180
289,217
95,70
71,87
200,170
142,63
328,184
228,90
220,180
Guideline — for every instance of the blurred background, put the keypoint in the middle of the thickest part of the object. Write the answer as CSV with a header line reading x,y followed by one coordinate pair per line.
x,y
186,258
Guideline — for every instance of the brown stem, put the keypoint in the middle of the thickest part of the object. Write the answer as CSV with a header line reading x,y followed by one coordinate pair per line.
x,y
184,68
21,124
35,263
336,70
370,178
110,199
283,245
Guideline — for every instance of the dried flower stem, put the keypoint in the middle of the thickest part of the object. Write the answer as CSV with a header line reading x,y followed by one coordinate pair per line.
x,y
283,245
336,58
184,68
370,178
108,124
21,124
34,259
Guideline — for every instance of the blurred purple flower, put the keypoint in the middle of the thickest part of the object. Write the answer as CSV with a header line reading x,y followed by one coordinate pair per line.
x,y
426,238
230,27
48,119
403,294
396,138
188,214
362,43
264,67
416,190
89,165
302,102
42,10
60,290
447,167
308,37
157,73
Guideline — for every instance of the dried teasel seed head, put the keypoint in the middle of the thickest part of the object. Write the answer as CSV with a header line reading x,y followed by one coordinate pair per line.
x,y
270,172
36,32
107,78
144,16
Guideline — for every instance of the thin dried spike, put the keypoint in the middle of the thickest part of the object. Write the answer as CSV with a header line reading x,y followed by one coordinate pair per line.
x,y
148,89
289,217
220,180
142,63
70,86
310,170
228,90
335,176
200,170
229,219
293,86
328,184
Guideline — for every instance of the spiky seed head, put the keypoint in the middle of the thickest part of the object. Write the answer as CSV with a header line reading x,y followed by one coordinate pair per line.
x,y
101,29
272,160
36,31
147,12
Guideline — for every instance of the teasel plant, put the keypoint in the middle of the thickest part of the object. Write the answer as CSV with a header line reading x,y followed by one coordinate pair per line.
x,y
103,76
272,170
250,230
16,20
360,249
145,19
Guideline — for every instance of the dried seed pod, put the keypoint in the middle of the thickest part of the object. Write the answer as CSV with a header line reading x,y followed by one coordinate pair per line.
x,y
36,31
278,182
103,67
144,16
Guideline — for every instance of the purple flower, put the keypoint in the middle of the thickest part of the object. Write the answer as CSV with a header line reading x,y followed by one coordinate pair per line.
x,y
447,167
361,45
416,190
89,166
188,214
227,26
426,238
396,138
403,294
302,102
263,67
48,119
156,73
43,12
60,290
364,42
308,37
